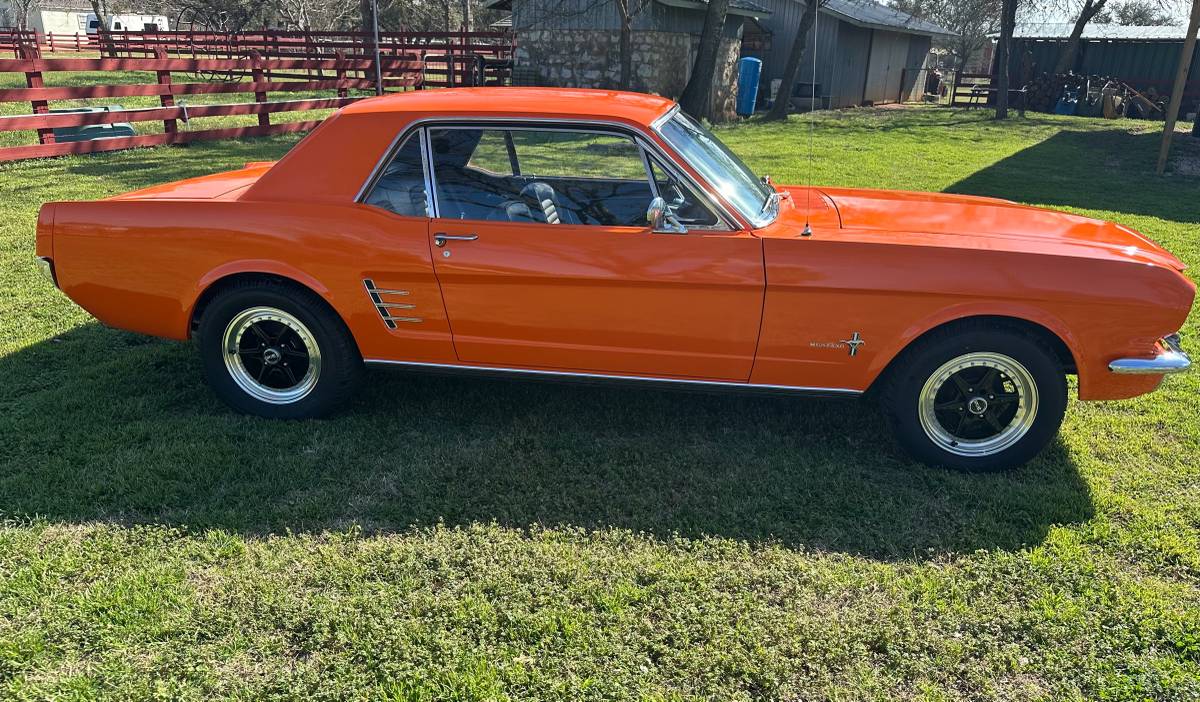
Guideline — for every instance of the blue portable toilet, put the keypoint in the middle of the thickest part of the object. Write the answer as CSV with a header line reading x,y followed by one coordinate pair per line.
x,y
749,70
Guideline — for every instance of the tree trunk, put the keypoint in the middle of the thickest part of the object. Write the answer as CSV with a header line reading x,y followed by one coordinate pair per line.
x,y
791,70
697,96
1066,59
99,9
1008,21
365,12
468,20
626,50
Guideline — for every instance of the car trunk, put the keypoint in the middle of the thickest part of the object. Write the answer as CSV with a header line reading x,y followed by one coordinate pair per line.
x,y
228,185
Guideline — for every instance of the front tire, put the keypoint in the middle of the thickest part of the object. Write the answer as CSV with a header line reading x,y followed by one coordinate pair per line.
x,y
977,397
277,350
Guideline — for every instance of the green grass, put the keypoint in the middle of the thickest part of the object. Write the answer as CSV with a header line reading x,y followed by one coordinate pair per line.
x,y
464,540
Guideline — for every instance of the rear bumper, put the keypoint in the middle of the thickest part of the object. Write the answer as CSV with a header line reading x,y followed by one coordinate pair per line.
x,y
1170,359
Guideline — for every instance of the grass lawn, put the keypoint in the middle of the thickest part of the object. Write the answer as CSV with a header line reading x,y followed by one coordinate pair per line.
x,y
464,540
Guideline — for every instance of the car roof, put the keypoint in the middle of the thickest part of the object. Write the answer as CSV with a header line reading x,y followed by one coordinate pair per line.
x,y
520,102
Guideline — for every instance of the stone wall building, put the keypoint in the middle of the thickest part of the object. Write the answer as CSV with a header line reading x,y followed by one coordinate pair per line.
x,y
576,43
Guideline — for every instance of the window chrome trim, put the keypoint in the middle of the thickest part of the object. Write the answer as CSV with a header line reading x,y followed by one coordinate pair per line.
x,y
656,127
649,171
394,147
733,222
639,379
431,195
427,164
665,117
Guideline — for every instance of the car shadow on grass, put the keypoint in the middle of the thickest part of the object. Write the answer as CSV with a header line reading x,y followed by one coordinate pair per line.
x,y
1110,170
110,426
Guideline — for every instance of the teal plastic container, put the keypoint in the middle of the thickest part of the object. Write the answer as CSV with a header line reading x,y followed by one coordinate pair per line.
x,y
92,131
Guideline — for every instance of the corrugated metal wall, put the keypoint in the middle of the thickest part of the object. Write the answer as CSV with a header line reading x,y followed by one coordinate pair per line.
x,y
888,53
1139,62
913,87
854,46
783,23
843,53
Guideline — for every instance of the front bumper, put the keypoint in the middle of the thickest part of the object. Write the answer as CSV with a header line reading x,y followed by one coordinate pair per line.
x,y
1171,359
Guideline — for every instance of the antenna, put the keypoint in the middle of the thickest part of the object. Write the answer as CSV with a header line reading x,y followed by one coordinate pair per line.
x,y
812,108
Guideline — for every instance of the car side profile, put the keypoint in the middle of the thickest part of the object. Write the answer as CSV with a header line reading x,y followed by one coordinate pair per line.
x,y
607,236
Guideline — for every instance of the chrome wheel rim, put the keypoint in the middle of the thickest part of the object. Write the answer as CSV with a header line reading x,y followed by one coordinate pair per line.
x,y
271,355
978,404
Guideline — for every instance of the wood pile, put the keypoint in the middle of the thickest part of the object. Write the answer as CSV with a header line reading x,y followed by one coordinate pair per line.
x,y
1097,96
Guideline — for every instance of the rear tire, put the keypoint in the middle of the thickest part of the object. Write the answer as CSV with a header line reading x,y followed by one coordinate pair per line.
x,y
976,397
277,350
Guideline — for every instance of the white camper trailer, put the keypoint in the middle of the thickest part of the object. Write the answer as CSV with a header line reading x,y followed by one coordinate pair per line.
x,y
129,23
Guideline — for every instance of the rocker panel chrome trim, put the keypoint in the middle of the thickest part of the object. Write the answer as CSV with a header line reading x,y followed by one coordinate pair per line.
x,y
637,379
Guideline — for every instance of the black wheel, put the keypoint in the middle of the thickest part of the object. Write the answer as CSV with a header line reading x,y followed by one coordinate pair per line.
x,y
277,350
976,397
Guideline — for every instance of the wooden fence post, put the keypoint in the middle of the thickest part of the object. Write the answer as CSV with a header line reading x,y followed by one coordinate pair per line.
x,y
340,54
170,126
260,96
33,79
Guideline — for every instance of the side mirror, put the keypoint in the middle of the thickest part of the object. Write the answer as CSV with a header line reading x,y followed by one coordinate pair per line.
x,y
662,220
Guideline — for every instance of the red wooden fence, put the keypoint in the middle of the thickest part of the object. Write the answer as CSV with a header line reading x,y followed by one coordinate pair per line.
x,y
343,75
447,58
244,63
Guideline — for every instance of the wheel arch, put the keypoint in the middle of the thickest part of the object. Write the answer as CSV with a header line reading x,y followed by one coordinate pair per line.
x,y
1049,330
224,277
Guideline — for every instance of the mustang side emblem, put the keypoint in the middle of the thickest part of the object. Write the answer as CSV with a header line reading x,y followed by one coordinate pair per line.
x,y
852,343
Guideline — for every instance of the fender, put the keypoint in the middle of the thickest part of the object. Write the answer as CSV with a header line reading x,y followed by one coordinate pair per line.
x,y
954,313
252,265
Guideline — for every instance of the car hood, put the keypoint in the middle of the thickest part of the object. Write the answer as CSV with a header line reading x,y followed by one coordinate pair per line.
x,y
993,220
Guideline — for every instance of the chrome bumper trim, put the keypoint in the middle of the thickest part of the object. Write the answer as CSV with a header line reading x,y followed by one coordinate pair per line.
x,y
1173,360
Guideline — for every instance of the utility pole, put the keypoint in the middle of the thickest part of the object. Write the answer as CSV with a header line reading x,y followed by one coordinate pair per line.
x,y
1181,74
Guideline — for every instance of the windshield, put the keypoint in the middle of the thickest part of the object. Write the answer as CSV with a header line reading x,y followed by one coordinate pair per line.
x,y
721,168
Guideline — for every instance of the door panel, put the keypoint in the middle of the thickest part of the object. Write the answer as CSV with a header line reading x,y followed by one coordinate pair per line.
x,y
603,299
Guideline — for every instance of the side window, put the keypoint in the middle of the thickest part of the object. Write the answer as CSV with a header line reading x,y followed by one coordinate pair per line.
x,y
682,199
491,153
550,154
401,186
543,176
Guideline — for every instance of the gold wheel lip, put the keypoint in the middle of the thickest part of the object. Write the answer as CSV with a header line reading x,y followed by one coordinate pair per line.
x,y
1010,435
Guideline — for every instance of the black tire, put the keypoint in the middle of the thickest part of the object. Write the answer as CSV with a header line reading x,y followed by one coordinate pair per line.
x,y
327,379
941,423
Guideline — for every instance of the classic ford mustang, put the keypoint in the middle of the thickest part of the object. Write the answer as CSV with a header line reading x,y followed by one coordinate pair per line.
x,y
606,235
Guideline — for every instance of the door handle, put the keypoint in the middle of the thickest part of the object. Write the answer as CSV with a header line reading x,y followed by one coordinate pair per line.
x,y
440,239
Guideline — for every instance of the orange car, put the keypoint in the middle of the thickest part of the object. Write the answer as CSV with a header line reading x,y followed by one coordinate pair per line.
x,y
606,235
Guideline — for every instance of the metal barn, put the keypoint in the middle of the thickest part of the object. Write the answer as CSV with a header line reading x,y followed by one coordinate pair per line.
x,y
866,53
1141,56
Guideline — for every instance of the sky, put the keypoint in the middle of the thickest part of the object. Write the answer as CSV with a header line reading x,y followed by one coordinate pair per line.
x,y
1067,10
